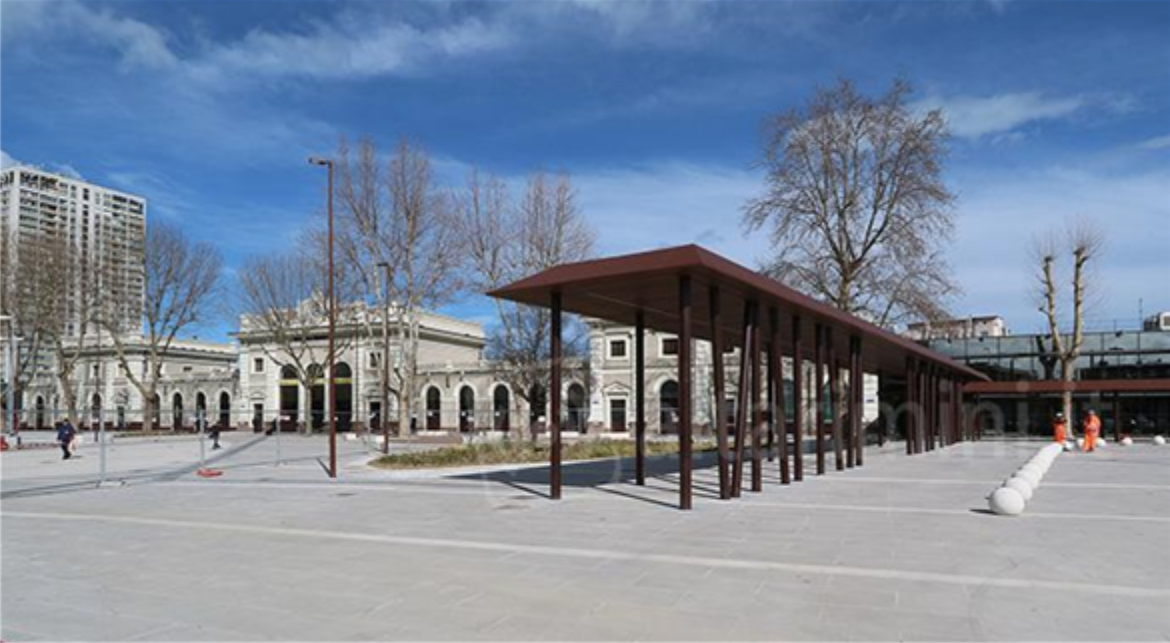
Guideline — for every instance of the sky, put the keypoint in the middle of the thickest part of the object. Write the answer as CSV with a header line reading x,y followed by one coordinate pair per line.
x,y
210,108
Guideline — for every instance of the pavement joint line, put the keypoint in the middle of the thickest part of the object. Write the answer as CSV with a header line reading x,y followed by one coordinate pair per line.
x,y
945,481
613,555
950,512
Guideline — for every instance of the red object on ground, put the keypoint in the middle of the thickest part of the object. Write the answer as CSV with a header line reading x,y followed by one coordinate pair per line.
x,y
3,443
209,473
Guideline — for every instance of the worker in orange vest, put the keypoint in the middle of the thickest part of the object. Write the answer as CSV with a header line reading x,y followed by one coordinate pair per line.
x,y
1059,428
1092,429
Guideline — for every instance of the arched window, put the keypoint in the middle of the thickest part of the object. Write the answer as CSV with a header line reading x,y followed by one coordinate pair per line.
x,y
578,410
343,395
501,402
668,407
289,411
177,411
200,409
316,375
537,402
434,409
466,409
225,409
39,421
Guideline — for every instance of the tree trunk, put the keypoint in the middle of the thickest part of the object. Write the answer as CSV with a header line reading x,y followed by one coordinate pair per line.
x,y
1066,376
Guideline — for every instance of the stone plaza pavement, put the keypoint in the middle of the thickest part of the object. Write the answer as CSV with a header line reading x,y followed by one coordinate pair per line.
x,y
901,549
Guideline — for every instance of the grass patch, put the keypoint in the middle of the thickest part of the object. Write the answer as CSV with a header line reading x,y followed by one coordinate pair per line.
x,y
520,452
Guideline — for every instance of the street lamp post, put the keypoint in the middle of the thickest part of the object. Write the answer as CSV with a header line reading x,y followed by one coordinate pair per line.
x,y
386,361
332,324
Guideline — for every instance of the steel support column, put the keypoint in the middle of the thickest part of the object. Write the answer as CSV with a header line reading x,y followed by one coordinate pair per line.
x,y
640,398
554,453
742,400
819,395
685,389
857,392
797,402
720,391
757,405
911,406
835,404
776,377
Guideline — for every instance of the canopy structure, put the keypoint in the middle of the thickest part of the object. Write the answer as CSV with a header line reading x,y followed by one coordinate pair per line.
x,y
697,294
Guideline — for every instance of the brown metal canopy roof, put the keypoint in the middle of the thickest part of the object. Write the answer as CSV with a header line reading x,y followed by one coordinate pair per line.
x,y
615,288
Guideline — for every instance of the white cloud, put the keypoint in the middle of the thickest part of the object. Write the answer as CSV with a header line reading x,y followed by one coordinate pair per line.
x,y
1156,143
671,203
138,44
974,117
348,48
7,161
999,213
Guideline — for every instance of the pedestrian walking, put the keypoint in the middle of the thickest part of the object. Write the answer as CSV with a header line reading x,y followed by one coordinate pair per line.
x,y
65,436
215,428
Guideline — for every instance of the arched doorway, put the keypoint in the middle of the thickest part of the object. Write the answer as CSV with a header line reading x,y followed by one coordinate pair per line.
x,y
578,411
466,409
177,411
501,401
39,418
343,396
537,401
668,407
95,410
200,410
316,375
434,409
290,399
225,409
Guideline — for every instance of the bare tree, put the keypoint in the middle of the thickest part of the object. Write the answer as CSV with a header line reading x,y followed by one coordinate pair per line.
x,y
1082,242
506,243
180,278
856,206
35,294
284,303
394,214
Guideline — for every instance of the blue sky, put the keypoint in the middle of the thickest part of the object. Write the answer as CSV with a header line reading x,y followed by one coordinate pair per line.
x,y
209,109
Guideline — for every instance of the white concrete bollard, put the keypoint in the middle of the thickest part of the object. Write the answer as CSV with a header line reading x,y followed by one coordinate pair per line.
x,y
1021,486
1080,443
1029,477
1006,501
1127,441
1159,440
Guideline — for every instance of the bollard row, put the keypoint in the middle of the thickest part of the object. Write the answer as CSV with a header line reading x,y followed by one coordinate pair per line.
x,y
1010,499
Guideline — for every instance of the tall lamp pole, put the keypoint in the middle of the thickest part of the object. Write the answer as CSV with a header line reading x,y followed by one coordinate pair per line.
x,y
332,325
385,414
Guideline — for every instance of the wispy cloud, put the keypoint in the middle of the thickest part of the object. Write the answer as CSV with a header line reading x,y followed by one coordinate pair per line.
x,y
7,161
977,116
137,43
1156,143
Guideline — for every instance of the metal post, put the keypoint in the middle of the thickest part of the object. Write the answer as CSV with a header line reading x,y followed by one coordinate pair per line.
x,y
555,400
858,394
640,397
331,383
776,377
384,412
720,391
685,387
742,404
1117,417
850,428
757,406
819,367
835,404
911,405
797,402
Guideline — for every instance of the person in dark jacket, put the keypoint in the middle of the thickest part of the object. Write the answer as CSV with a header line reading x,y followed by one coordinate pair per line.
x,y
65,436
